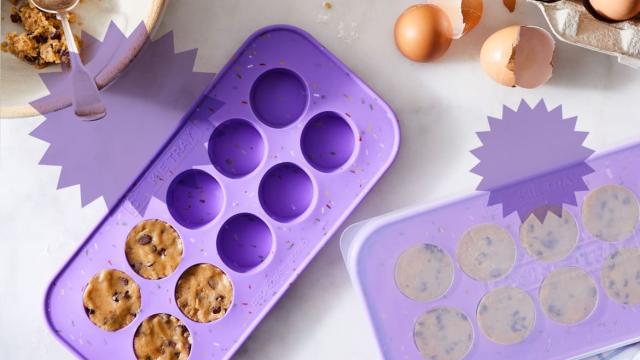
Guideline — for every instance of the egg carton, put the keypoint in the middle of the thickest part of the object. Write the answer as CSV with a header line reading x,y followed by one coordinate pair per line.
x,y
425,298
571,22
255,187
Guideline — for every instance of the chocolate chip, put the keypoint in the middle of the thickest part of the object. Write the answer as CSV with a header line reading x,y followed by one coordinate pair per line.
x,y
171,343
162,251
216,309
144,239
116,297
57,35
40,38
15,18
30,59
124,281
127,295
220,298
212,283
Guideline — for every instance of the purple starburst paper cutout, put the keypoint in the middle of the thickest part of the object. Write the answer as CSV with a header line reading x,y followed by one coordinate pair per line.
x,y
532,161
144,106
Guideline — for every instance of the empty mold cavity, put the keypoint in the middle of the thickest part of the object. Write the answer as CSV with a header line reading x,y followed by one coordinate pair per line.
x,y
424,272
160,335
506,315
327,141
611,213
236,148
111,299
204,293
552,239
244,242
486,252
620,276
443,333
194,198
285,192
153,249
568,295
279,97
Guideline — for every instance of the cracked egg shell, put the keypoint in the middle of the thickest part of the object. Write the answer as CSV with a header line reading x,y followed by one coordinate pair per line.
x,y
423,32
519,56
463,14
616,10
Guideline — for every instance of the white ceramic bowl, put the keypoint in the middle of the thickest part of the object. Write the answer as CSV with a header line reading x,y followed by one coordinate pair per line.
x,y
19,81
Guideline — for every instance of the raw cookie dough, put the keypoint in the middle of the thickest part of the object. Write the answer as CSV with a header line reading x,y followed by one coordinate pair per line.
x,y
611,212
42,43
162,337
424,272
204,293
551,240
568,295
153,249
111,299
486,252
506,315
443,334
621,276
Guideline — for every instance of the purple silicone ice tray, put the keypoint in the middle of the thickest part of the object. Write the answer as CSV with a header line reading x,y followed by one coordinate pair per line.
x,y
283,145
372,248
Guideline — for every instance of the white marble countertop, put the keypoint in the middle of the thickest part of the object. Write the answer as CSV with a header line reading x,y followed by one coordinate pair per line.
x,y
440,107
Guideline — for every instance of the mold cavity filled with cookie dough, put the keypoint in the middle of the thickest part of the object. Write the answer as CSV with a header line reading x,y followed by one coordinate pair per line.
x,y
611,213
194,198
204,293
327,141
506,315
279,97
444,334
486,252
620,276
162,336
568,295
111,299
153,249
236,148
551,240
424,272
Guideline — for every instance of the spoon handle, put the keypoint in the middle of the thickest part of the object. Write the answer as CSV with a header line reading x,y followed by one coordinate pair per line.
x,y
84,93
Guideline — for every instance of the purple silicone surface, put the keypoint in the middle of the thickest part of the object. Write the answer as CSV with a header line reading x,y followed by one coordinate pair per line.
x,y
393,315
270,210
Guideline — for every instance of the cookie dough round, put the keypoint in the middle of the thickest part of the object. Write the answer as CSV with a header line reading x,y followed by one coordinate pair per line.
x,y
111,299
444,334
620,276
553,239
568,295
204,293
162,337
424,272
611,213
486,252
506,315
153,249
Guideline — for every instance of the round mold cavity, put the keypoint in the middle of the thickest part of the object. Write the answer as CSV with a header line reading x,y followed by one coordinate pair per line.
x,y
236,148
244,242
160,334
486,252
327,141
111,299
443,333
279,97
506,315
204,293
194,198
619,276
424,272
285,192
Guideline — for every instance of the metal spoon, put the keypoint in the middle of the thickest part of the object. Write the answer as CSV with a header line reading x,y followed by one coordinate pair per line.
x,y
84,93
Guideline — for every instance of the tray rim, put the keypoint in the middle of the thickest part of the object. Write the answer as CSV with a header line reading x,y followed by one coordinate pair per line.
x,y
357,235
329,234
